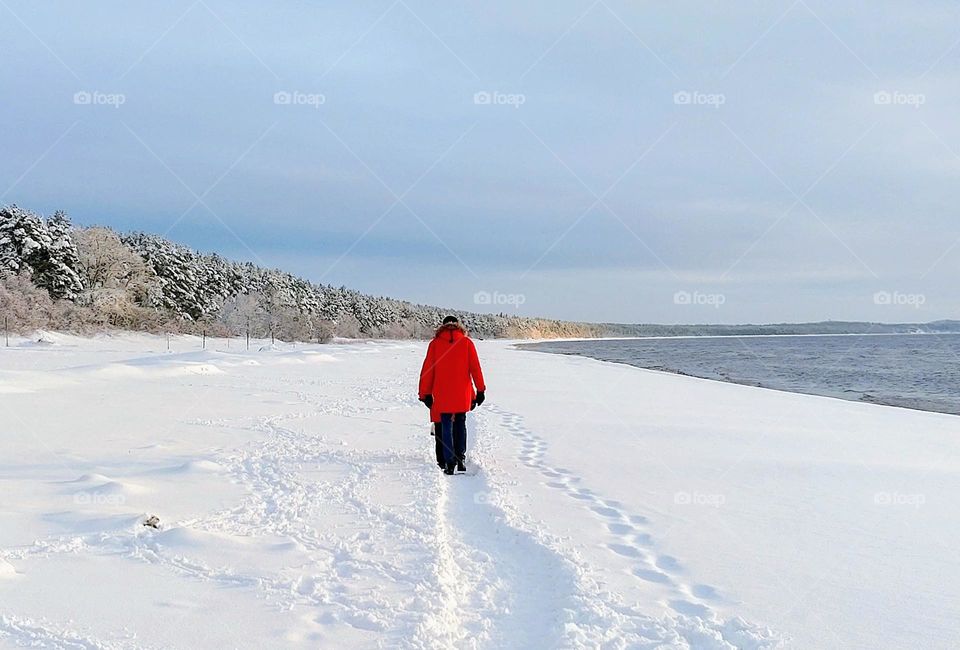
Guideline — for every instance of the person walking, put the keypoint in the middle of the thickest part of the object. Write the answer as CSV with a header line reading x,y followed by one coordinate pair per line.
x,y
451,383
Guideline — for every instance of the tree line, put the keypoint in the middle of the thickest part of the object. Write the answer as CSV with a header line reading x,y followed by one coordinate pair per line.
x,y
54,275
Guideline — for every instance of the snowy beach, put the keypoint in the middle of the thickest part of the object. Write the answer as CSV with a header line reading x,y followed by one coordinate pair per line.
x,y
606,505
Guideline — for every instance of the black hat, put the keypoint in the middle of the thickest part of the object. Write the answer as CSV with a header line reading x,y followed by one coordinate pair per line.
x,y
450,319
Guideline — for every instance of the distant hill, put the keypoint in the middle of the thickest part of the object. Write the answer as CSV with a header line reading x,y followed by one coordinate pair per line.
x,y
824,327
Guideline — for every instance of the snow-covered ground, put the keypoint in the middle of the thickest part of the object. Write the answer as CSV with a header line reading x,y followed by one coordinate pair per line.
x,y
611,506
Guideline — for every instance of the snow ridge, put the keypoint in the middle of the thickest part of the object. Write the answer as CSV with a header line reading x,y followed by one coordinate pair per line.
x,y
373,547
602,618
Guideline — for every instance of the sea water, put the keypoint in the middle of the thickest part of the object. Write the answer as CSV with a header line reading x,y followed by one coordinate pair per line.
x,y
919,371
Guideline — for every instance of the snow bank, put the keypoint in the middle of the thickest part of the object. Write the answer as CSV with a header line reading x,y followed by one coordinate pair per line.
x,y
609,506
7,571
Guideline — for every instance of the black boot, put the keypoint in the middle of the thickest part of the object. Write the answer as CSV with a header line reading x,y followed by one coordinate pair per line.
x,y
461,467
448,469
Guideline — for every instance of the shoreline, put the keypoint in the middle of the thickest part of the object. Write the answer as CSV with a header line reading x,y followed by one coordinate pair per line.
x,y
718,336
860,398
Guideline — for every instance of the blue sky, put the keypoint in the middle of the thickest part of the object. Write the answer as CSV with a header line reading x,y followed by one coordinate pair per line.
x,y
630,154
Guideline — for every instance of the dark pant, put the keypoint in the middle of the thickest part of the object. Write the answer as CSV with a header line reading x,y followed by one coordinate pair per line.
x,y
451,436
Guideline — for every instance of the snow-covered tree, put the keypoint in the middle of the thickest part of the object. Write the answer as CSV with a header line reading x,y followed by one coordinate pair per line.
x,y
145,281
62,275
106,262
43,249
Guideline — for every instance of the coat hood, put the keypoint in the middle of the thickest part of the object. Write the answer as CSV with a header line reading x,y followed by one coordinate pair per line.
x,y
452,329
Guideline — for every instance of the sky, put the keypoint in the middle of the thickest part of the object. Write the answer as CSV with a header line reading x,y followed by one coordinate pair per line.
x,y
718,161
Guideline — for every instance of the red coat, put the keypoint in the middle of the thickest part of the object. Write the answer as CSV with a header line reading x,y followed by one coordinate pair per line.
x,y
450,372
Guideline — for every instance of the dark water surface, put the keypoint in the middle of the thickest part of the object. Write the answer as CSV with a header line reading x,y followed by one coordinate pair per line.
x,y
919,371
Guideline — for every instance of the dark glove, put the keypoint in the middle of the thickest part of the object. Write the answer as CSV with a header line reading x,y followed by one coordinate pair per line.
x,y
478,400
427,401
